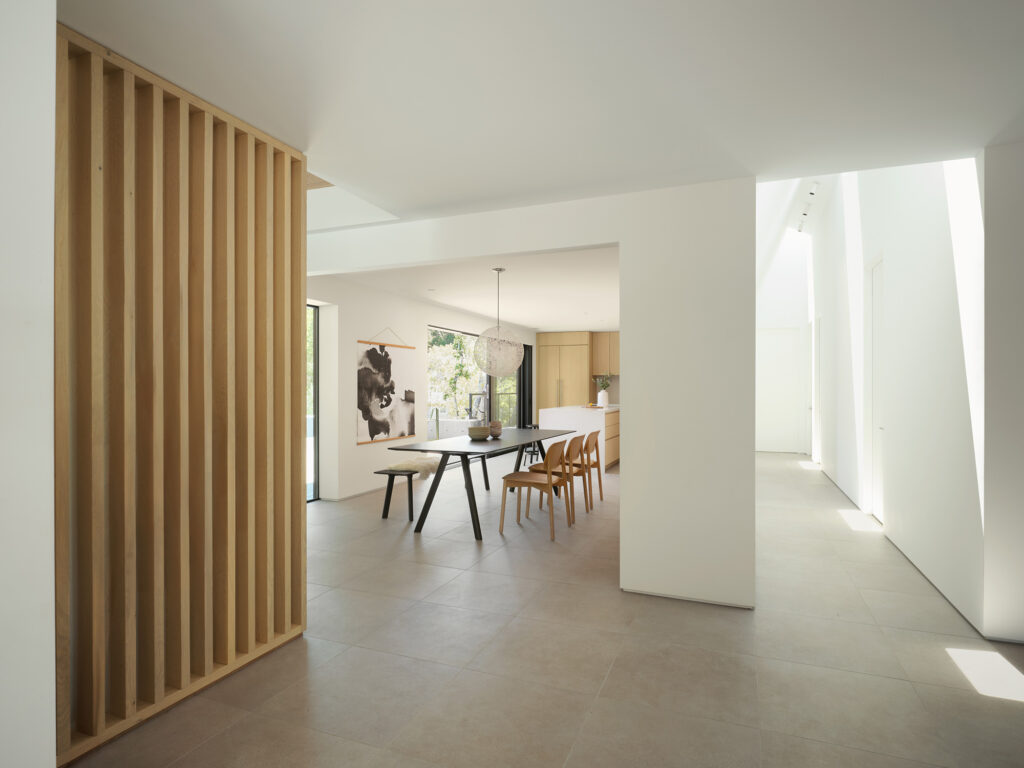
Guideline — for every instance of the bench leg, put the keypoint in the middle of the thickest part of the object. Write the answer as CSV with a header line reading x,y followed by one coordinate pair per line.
x,y
483,466
410,498
387,496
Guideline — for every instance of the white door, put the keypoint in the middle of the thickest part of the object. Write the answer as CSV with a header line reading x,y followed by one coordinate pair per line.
x,y
877,390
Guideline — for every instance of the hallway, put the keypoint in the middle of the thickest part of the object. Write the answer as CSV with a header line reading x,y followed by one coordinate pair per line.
x,y
437,650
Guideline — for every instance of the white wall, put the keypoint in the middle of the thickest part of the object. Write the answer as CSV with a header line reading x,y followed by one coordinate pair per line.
x,y
687,329
1004,393
783,374
837,290
907,395
28,93
354,312
931,503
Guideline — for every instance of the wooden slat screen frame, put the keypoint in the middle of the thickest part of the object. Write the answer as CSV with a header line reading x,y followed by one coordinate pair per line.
x,y
179,394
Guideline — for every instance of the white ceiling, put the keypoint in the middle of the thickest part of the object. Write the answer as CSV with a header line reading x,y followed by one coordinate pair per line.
x,y
426,108
551,291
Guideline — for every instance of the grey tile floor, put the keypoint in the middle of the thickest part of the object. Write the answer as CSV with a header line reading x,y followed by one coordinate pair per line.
x,y
437,650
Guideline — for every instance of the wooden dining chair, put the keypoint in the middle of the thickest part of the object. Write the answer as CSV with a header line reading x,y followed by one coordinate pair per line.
x,y
571,469
590,460
544,482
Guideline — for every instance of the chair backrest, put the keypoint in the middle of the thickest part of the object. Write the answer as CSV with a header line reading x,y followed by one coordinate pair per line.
x,y
592,439
555,457
575,450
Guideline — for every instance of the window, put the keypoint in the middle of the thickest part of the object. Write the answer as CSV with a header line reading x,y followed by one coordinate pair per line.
x,y
459,393
312,403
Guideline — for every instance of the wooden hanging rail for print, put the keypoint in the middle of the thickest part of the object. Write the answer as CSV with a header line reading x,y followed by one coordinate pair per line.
x,y
383,344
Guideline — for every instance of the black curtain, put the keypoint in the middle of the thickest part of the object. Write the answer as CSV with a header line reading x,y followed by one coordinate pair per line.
x,y
525,385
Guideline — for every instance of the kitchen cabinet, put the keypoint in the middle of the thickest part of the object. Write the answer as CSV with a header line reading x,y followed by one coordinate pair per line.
x,y
605,353
563,369
600,345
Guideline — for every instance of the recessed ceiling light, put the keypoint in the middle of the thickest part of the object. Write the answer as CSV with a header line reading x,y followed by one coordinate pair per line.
x,y
431,290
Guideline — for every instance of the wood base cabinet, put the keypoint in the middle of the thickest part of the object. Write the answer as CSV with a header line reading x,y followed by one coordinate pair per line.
x,y
611,438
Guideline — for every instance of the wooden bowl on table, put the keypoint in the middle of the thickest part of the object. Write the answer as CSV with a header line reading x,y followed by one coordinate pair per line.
x,y
479,433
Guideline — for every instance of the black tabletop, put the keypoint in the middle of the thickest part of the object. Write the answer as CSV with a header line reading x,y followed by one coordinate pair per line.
x,y
462,445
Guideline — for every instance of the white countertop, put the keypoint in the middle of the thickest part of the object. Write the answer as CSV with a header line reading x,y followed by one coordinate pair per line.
x,y
567,408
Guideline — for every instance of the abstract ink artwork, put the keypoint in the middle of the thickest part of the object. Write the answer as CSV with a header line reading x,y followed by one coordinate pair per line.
x,y
386,409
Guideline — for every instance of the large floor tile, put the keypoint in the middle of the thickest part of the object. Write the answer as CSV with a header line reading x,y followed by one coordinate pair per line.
x,y
486,592
890,577
876,714
980,731
347,617
713,627
166,737
437,633
813,598
363,695
621,734
561,655
925,655
250,686
781,751
592,606
260,742
330,569
690,681
485,720
826,643
925,613
402,579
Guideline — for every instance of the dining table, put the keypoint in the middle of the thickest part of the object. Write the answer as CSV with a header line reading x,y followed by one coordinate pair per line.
x,y
509,440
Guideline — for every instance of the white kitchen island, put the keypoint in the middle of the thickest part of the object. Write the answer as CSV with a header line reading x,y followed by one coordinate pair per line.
x,y
583,420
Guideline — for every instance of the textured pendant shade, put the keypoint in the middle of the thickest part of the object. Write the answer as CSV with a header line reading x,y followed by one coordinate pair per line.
x,y
497,351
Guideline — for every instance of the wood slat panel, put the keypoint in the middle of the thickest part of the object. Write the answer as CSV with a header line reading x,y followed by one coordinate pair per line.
x,y
298,401
62,403
245,388
200,385
150,373
119,287
176,393
264,370
89,449
179,330
282,392
224,441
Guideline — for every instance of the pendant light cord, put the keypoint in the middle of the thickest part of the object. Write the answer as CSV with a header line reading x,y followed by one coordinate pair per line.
x,y
498,318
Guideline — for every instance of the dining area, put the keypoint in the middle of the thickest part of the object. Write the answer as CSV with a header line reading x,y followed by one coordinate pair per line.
x,y
568,457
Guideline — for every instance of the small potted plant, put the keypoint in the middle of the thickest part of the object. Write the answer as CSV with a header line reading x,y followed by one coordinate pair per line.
x,y
603,382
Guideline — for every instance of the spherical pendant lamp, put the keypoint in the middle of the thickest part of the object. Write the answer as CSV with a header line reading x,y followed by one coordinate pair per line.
x,y
497,351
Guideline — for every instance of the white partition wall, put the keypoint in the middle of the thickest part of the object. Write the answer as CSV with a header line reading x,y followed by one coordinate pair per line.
x,y
686,258
27,668
1004,391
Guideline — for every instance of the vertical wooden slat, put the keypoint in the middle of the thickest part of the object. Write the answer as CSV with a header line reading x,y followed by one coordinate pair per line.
x,y
119,266
150,373
282,391
264,369
224,393
62,403
298,405
245,388
200,402
89,448
176,393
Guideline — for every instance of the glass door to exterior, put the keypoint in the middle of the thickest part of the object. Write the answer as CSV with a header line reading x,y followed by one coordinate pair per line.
x,y
312,404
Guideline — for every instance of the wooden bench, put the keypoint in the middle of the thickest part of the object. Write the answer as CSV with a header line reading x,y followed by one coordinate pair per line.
x,y
391,475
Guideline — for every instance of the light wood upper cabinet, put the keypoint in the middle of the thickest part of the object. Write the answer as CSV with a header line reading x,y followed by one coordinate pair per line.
x,y
613,353
600,361
547,376
563,369
574,374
